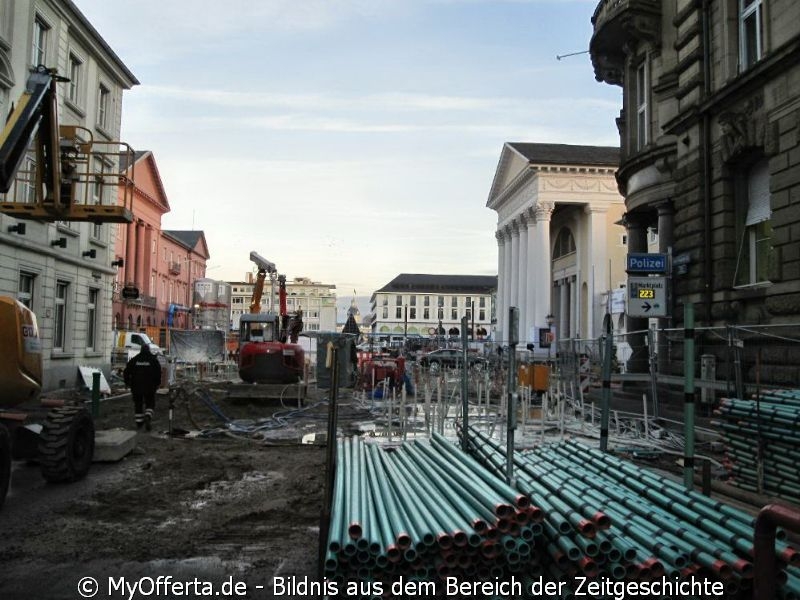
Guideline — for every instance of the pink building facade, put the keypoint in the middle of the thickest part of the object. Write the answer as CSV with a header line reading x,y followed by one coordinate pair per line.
x,y
161,265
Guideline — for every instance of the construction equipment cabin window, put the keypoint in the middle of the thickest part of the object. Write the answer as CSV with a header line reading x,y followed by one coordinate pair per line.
x,y
41,31
751,33
755,255
60,321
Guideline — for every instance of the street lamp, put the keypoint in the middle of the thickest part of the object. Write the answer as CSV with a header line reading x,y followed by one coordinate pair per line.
x,y
549,319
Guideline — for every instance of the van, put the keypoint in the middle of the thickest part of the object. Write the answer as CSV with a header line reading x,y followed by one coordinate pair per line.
x,y
131,342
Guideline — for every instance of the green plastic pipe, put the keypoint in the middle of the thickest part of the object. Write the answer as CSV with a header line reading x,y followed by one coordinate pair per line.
x,y
688,389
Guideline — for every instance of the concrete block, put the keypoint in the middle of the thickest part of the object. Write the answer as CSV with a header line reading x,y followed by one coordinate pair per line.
x,y
113,445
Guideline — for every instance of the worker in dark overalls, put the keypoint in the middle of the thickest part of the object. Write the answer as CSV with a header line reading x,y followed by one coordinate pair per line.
x,y
143,375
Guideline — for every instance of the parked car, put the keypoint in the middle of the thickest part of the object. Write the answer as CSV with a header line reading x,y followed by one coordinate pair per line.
x,y
450,358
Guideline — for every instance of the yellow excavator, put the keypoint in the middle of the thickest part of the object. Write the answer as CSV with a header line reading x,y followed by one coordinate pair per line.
x,y
60,438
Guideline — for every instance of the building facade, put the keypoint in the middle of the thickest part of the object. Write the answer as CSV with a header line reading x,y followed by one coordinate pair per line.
x,y
417,304
63,270
709,129
560,248
162,265
316,300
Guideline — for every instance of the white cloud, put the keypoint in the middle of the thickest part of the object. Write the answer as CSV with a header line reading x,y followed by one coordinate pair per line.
x,y
399,102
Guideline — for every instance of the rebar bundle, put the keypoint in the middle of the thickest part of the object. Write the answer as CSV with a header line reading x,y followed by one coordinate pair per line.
x,y
425,512
762,441
607,518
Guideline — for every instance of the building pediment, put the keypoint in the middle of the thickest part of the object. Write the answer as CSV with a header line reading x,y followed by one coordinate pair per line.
x,y
509,175
539,165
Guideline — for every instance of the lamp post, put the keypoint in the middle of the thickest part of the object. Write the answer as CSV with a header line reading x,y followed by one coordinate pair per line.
x,y
549,319
405,325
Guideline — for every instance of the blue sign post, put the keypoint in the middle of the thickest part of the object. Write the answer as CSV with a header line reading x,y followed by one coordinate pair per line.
x,y
646,263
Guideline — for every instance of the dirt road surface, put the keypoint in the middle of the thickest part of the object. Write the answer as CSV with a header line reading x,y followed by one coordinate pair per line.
x,y
209,511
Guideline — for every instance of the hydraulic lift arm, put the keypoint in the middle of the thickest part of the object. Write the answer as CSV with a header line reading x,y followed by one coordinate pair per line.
x,y
60,154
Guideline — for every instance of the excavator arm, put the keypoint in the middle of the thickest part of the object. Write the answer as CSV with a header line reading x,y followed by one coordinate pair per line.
x,y
62,160
264,267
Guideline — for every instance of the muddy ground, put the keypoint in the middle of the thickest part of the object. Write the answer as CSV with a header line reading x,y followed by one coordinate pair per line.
x,y
218,509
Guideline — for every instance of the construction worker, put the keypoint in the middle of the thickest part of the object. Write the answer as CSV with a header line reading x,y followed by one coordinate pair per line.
x,y
143,375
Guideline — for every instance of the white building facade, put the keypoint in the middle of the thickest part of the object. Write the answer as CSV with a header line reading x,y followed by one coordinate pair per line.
x,y
317,301
62,271
415,304
560,247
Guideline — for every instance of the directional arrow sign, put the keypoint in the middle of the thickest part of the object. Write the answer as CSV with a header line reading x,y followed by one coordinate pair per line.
x,y
647,296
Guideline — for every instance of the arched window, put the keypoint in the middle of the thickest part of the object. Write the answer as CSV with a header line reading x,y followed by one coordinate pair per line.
x,y
565,243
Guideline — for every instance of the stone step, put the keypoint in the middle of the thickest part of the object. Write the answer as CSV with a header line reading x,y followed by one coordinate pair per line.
x,y
113,445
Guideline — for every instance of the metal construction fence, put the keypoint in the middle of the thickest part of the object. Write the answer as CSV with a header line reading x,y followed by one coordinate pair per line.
x,y
735,360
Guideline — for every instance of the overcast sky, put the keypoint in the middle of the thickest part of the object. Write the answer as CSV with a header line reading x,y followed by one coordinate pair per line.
x,y
349,140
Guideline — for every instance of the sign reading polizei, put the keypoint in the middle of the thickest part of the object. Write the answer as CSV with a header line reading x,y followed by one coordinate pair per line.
x,y
647,296
646,263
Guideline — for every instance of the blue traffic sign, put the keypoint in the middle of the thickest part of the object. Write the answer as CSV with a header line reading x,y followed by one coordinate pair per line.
x,y
647,263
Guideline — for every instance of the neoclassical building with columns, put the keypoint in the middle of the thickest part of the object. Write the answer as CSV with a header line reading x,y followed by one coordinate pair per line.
x,y
560,243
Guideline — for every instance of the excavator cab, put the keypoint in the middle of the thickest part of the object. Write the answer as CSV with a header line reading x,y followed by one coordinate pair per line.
x,y
258,331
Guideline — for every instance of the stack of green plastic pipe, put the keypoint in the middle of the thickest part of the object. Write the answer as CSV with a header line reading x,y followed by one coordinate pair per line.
x,y
426,511
769,428
645,525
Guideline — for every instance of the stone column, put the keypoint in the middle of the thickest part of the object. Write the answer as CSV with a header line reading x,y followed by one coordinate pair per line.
x,y
140,242
666,214
149,259
544,277
130,253
501,277
636,225
563,299
530,280
507,264
522,276
598,246
514,296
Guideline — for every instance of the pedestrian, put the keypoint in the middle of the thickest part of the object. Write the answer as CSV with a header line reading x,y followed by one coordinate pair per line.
x,y
143,375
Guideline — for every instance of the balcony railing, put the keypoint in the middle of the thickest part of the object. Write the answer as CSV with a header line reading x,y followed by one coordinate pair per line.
x,y
142,300
175,268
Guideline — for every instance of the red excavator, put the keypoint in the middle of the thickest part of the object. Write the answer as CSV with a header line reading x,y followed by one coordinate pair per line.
x,y
268,348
